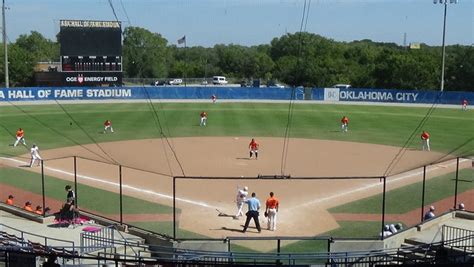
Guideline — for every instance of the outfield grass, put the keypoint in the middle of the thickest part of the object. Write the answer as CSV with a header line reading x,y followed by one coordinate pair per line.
x,y
407,198
88,197
48,125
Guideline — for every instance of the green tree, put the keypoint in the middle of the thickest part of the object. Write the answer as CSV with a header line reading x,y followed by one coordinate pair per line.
x,y
145,54
25,53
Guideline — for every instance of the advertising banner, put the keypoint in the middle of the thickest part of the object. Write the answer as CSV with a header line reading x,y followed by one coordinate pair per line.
x,y
390,96
164,92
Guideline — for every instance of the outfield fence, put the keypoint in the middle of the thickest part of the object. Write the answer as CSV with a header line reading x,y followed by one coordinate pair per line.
x,y
123,194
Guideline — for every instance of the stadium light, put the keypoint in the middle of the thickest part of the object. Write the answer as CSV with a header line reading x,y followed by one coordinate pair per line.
x,y
445,3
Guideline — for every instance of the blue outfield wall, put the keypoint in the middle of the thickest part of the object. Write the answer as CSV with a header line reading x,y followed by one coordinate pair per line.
x,y
390,96
165,92
247,93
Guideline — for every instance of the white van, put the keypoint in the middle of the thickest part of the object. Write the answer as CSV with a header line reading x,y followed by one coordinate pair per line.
x,y
219,80
342,86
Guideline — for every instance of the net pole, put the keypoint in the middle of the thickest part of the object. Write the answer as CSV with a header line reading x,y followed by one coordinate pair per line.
x,y
174,207
456,184
423,193
383,204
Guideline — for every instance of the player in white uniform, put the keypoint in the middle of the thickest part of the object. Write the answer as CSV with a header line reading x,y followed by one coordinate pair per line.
x,y
240,200
108,126
35,155
203,116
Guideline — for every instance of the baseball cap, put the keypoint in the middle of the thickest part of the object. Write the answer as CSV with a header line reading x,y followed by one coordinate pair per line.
x,y
432,208
246,188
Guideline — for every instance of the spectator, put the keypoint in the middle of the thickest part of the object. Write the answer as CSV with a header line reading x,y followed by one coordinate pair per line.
x,y
386,231
39,210
70,194
51,261
67,212
46,211
461,206
9,200
28,207
429,214
393,229
399,227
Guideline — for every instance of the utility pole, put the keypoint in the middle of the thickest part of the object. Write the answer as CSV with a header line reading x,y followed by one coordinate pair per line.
x,y
5,45
443,52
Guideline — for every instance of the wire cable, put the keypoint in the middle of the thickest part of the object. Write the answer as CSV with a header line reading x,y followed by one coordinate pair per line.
x,y
160,128
126,14
56,131
113,10
410,138
85,132
157,125
286,139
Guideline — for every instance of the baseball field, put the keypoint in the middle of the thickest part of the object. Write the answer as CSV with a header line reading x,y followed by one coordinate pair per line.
x,y
153,142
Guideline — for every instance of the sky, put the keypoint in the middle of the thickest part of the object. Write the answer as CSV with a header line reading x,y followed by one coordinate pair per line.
x,y
254,22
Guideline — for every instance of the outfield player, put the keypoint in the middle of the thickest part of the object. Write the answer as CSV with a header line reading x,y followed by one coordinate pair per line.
x,y
20,137
425,140
35,155
464,105
253,146
241,197
344,124
214,98
108,126
271,210
203,118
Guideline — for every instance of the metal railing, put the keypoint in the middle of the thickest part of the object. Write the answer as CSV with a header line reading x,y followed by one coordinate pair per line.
x,y
46,240
457,237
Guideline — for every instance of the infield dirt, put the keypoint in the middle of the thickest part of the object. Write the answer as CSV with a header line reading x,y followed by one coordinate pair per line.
x,y
303,202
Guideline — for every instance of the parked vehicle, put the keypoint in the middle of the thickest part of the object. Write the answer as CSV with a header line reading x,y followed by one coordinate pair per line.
x,y
244,83
342,86
175,82
219,80
158,83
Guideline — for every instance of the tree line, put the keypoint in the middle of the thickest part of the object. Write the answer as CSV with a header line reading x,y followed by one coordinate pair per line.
x,y
296,59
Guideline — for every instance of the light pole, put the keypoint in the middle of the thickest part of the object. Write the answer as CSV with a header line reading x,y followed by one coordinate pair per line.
x,y
445,3
4,27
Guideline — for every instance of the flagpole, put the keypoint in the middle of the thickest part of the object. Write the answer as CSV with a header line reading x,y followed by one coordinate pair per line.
x,y
185,61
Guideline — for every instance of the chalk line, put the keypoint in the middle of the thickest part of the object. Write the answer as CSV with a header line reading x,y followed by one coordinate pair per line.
x,y
117,185
367,187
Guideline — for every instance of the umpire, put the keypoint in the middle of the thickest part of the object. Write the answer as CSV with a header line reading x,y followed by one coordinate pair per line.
x,y
254,207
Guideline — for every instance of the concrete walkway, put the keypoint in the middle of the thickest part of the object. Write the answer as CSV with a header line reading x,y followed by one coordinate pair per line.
x,y
65,236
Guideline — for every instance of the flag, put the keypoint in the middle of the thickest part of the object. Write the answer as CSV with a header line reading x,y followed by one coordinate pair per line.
x,y
182,40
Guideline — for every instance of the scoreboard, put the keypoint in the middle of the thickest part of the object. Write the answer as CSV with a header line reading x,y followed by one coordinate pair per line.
x,y
91,49
90,38
91,63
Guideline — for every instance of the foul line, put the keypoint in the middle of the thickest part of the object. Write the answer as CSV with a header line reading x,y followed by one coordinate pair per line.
x,y
117,185
363,188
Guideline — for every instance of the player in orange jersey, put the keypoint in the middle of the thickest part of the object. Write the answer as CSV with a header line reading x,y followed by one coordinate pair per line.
x,y
253,146
20,137
425,140
464,105
271,210
344,124
203,116
108,126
